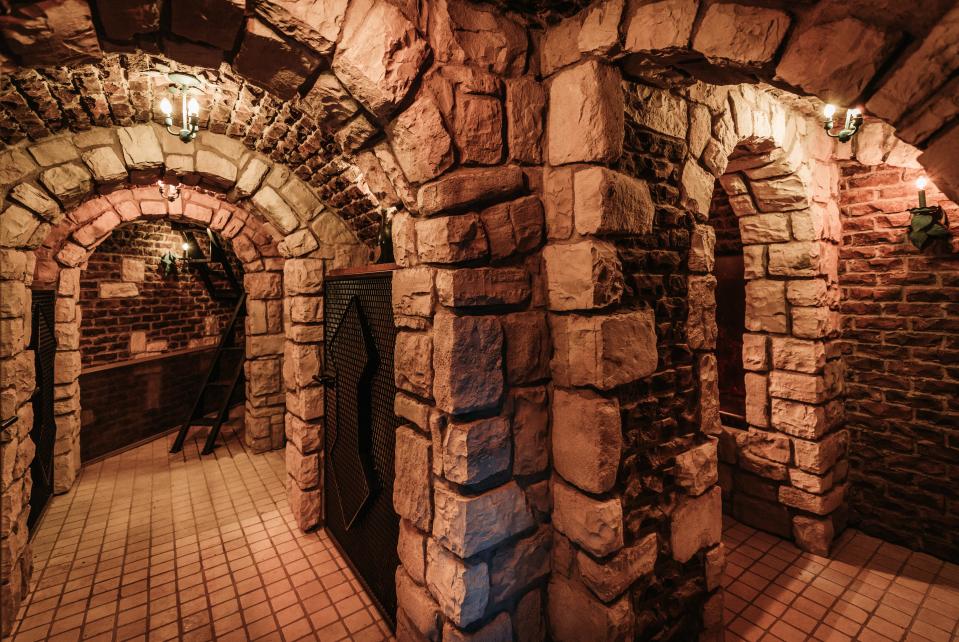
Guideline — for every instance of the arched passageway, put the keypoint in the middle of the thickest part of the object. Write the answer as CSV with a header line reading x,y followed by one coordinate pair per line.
x,y
549,206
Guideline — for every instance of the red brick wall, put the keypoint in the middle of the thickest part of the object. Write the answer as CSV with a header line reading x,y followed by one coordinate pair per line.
x,y
901,342
171,309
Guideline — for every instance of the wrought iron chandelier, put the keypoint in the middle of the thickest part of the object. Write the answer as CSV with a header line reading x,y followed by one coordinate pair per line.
x,y
851,126
184,87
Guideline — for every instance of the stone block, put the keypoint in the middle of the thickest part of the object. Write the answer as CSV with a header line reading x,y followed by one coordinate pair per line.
x,y
813,534
819,456
467,362
702,247
530,424
603,351
805,420
516,566
528,347
798,354
611,203
117,290
451,239
740,34
412,292
141,149
420,142
37,201
413,356
797,386
764,228
708,373
482,286
273,61
574,614
755,352
696,469
525,104
698,186
696,523
478,128
303,276
757,399
476,450
69,183
817,504
514,227
558,201
701,330
411,486
610,579
596,525
766,306
465,187
587,439
105,165
269,203
417,604
861,46
802,259
586,114
654,26
460,588
815,322
583,276
17,227
468,525
782,194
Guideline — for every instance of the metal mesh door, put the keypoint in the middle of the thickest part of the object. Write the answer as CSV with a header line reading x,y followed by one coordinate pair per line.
x,y
360,429
44,430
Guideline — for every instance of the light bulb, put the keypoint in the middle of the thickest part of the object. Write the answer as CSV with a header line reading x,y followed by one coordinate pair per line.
x,y
921,182
185,247
829,111
854,112
193,107
166,107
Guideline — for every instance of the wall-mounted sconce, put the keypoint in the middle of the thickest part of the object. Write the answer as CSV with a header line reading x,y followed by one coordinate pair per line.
x,y
851,126
184,87
928,224
169,191
168,262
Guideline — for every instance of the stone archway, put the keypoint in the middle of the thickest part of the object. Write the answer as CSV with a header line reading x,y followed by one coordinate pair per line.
x,y
279,229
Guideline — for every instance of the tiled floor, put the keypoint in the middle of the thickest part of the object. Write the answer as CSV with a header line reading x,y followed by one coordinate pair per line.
x,y
868,590
153,546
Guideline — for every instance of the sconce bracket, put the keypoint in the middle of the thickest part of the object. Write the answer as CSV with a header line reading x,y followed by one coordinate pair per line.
x,y
928,224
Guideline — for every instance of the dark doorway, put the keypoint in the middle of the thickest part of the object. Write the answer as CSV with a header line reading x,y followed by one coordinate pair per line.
x,y
360,429
44,430
731,321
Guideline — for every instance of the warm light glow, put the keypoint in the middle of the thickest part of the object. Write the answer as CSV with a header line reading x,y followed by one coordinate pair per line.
x,y
185,247
193,107
854,112
166,107
921,182
829,111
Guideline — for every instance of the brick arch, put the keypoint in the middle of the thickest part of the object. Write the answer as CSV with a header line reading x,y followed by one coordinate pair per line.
x,y
78,235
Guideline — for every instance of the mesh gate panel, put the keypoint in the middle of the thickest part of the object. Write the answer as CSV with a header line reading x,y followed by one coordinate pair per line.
x,y
44,430
360,430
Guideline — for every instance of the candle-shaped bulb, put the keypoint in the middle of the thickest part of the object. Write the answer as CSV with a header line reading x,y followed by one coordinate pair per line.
x,y
186,247
166,107
829,111
193,107
921,183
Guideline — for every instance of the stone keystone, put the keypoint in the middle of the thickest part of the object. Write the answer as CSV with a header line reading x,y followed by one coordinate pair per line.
x,y
608,202
587,439
603,351
583,276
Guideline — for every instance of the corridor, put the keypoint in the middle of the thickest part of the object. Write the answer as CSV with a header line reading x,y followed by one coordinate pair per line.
x,y
153,546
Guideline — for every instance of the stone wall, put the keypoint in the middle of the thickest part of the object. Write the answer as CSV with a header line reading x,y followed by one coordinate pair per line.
x,y
131,310
899,341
